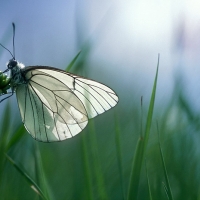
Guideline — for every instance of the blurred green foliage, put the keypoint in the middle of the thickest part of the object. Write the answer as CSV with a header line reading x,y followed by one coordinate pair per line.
x,y
97,164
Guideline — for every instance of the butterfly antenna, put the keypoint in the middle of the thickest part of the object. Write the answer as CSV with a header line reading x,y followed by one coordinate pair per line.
x,y
13,24
13,43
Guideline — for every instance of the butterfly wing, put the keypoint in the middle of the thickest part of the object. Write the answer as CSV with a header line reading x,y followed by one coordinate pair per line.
x,y
56,105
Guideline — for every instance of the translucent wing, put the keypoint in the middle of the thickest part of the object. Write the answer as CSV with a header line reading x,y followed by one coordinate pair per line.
x,y
56,105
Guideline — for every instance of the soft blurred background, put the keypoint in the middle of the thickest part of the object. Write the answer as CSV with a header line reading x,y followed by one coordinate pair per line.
x,y
120,42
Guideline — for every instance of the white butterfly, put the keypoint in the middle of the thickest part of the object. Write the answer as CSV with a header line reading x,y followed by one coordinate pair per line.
x,y
55,105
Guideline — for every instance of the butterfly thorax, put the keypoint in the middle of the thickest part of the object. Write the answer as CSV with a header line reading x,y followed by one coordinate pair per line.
x,y
16,72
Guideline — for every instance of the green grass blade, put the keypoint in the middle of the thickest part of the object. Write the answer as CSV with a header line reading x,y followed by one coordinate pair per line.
x,y
136,168
150,195
39,170
96,164
150,111
166,191
87,170
92,166
16,137
5,126
141,147
119,154
168,188
30,181
4,132
5,123
72,62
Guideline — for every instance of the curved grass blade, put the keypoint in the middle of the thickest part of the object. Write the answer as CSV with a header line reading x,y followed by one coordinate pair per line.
x,y
92,169
5,124
87,170
136,168
4,132
166,191
16,137
167,186
72,62
119,154
141,146
30,181
41,179
150,195
150,111
100,181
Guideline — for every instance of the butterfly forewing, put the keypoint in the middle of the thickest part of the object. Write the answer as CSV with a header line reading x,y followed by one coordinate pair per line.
x,y
57,104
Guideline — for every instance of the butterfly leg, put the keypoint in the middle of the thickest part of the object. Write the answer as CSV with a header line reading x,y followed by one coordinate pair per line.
x,y
7,96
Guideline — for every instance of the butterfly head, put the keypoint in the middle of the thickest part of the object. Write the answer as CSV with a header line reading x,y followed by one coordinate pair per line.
x,y
12,63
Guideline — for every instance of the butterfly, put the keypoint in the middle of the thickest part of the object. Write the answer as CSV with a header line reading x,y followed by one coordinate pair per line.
x,y
54,104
